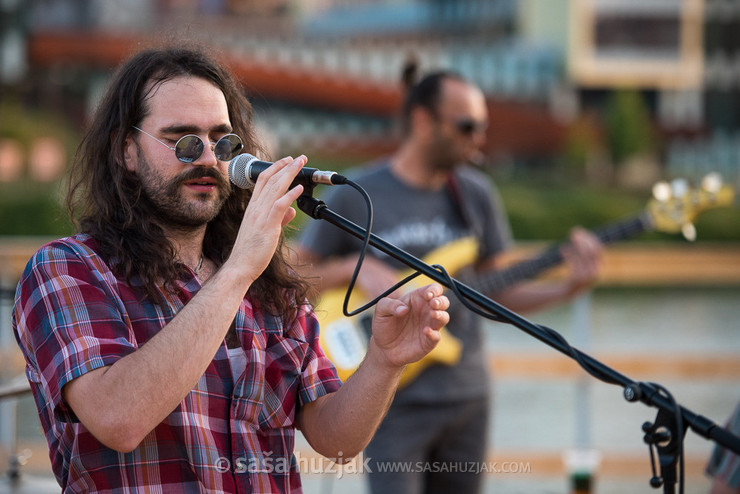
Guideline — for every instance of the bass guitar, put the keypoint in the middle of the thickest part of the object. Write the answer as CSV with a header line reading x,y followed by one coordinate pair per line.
x,y
673,209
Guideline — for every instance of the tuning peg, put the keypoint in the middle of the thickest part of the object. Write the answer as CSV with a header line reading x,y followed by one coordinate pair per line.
x,y
712,182
679,187
662,191
689,231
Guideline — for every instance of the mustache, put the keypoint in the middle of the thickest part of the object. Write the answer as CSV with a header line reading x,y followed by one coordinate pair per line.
x,y
203,172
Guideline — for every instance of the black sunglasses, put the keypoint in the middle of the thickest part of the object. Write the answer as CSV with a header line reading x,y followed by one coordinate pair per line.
x,y
190,147
468,126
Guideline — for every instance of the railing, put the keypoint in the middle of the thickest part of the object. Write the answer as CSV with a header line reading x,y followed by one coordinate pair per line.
x,y
9,394
8,412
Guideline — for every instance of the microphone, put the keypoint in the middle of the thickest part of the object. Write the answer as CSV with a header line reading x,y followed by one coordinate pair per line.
x,y
245,168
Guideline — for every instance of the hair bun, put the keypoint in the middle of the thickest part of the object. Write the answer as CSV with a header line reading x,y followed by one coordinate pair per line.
x,y
410,72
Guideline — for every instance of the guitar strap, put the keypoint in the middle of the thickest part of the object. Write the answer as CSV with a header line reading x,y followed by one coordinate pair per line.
x,y
472,220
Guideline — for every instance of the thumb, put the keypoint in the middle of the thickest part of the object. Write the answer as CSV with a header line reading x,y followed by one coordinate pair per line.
x,y
389,307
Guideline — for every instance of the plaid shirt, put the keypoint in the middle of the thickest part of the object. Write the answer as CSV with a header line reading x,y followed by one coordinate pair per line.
x,y
72,315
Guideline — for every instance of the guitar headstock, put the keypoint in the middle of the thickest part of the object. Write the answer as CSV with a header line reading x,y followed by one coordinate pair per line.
x,y
676,205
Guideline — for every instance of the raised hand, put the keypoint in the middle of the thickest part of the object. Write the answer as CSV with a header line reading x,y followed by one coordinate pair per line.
x,y
269,210
406,329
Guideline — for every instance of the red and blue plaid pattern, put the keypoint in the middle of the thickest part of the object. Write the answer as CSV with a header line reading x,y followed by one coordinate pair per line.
x,y
72,315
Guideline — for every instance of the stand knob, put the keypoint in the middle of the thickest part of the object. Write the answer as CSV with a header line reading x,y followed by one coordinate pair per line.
x,y
656,482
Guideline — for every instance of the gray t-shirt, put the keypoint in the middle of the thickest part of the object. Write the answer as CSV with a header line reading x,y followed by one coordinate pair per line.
x,y
419,221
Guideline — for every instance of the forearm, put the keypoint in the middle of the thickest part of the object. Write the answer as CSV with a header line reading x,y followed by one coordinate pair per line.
x,y
341,424
536,295
120,404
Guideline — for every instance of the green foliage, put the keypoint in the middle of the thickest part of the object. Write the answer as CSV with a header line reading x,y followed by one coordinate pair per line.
x,y
628,126
583,142
23,125
27,207
719,224
539,211
32,209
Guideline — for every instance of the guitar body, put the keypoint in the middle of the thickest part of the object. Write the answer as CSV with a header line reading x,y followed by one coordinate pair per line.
x,y
344,340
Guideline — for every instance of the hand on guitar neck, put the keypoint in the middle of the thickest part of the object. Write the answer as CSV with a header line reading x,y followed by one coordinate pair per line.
x,y
583,256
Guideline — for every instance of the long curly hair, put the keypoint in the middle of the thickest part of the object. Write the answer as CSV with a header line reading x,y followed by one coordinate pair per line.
x,y
106,201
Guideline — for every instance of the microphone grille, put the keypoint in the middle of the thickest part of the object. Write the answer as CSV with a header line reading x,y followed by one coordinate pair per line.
x,y
238,170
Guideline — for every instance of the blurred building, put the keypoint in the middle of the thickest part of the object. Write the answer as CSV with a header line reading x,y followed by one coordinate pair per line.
x,y
324,75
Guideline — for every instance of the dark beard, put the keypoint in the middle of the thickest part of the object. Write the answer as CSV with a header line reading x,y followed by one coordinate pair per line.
x,y
439,157
164,198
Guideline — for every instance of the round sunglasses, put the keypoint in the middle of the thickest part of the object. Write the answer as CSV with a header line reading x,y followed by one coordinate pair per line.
x,y
190,147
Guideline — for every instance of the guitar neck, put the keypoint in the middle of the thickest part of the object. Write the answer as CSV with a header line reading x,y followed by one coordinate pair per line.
x,y
551,257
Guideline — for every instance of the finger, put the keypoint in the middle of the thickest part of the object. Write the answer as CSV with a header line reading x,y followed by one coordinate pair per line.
x,y
591,253
281,208
586,242
271,170
265,194
280,174
290,196
290,214
286,174
388,307
584,249
439,319
432,335
441,303
430,291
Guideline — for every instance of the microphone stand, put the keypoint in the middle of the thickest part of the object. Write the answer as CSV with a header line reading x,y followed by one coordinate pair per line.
x,y
663,434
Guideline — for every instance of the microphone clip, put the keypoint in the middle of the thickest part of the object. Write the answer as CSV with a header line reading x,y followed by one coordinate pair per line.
x,y
309,204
